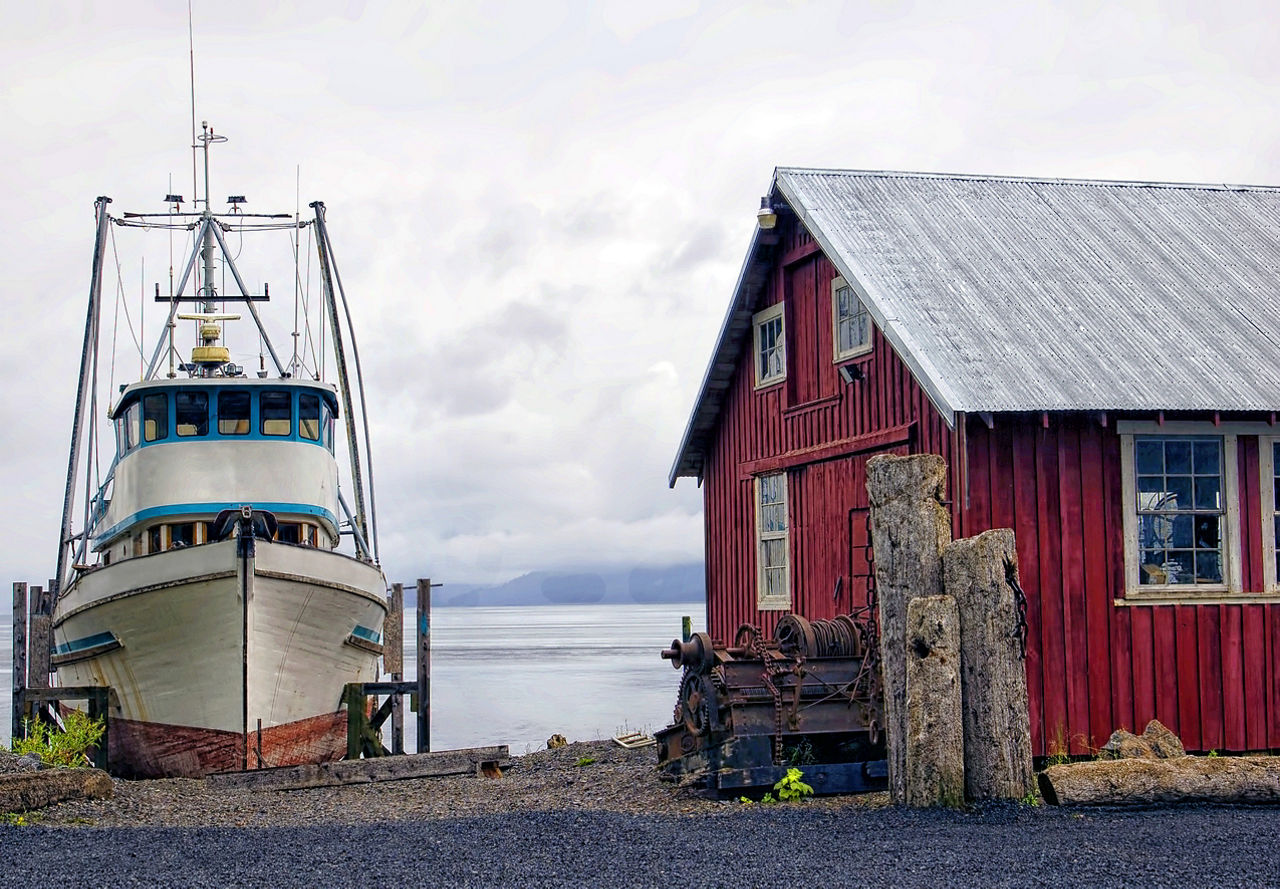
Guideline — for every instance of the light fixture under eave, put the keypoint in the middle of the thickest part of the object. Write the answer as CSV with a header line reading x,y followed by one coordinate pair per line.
x,y
766,218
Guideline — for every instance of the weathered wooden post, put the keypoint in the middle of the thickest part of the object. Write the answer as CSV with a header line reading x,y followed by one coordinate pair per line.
x,y
686,628
40,639
981,573
935,729
19,654
909,528
393,660
424,665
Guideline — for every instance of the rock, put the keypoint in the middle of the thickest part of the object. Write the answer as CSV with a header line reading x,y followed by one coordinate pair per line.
x,y
557,740
1164,743
31,762
1126,745
1155,742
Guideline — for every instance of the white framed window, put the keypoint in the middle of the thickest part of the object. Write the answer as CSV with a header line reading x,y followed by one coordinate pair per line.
x,y
773,543
850,322
1269,466
1181,510
771,346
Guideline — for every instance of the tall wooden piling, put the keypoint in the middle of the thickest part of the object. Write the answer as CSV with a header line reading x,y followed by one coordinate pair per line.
x,y
393,660
909,528
19,653
39,638
935,726
981,573
424,665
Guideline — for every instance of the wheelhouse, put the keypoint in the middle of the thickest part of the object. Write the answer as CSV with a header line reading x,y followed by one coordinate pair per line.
x,y
222,442
229,411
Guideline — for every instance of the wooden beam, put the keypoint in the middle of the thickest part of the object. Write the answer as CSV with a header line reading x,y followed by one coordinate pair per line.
x,y
874,441
363,771
798,254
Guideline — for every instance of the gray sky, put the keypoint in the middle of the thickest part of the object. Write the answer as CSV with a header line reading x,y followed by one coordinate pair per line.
x,y
539,209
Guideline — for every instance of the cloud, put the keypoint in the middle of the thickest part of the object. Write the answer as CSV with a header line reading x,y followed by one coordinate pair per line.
x,y
539,210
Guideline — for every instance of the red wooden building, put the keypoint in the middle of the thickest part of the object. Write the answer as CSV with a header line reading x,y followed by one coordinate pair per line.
x,y
1099,364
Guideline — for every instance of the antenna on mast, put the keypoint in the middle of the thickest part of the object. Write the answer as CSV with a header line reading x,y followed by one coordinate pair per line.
x,y
191,48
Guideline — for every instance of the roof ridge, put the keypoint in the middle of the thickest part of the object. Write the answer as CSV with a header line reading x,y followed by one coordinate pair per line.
x,y
1030,180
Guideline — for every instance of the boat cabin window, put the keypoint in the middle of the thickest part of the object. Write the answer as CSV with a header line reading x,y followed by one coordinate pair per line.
x,y
174,536
276,413
309,416
233,413
192,413
326,427
182,534
131,426
155,417
303,533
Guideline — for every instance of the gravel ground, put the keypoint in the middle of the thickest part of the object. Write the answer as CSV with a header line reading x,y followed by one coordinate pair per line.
x,y
551,822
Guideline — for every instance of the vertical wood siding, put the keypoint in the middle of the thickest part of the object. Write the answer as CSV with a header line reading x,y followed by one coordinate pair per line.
x,y
813,408
1206,671
1209,672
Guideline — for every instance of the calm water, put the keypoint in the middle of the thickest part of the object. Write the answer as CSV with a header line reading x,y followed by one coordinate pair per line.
x,y
518,675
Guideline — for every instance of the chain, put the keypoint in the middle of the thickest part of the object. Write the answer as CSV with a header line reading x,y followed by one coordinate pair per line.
x,y
1020,599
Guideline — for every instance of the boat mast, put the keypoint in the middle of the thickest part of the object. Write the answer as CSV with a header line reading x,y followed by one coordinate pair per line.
x,y
88,355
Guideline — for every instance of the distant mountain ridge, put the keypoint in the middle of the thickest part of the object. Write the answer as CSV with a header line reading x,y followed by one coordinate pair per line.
x,y
618,586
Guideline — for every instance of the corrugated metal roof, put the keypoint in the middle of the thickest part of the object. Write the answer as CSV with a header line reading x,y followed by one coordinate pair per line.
x,y
1017,294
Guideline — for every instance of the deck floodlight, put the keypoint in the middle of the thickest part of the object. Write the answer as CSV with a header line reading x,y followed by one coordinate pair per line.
x,y
765,216
236,200
850,373
173,199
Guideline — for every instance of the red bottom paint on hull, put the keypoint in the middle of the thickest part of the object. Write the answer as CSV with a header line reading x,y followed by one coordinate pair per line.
x,y
157,750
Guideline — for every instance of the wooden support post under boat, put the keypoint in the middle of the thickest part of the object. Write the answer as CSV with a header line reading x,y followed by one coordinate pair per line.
x,y
393,660
424,665
19,654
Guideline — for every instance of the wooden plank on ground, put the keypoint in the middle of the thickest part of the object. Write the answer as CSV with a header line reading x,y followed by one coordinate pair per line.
x,y
365,771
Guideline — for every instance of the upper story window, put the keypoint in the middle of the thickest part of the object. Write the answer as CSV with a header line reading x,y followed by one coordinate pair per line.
x,y
233,412
155,417
1269,460
1181,514
770,346
191,413
773,545
275,411
850,322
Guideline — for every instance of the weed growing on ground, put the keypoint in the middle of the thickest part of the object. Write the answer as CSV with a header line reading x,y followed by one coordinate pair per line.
x,y
69,747
792,786
585,761
1031,799
16,820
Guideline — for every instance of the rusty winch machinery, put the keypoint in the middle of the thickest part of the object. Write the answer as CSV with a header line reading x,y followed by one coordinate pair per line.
x,y
809,698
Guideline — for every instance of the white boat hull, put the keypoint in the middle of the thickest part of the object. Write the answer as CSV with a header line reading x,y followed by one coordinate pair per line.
x,y
196,663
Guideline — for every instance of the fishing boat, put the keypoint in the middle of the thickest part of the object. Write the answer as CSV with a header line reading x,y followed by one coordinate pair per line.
x,y
224,579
